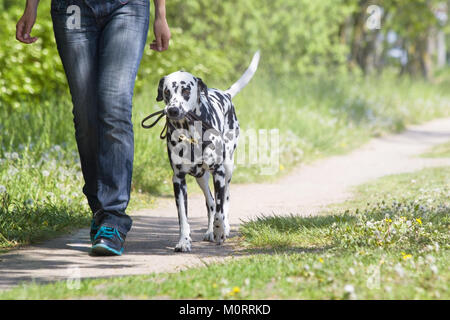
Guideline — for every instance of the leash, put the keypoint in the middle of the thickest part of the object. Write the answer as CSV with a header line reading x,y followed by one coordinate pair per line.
x,y
191,116
161,114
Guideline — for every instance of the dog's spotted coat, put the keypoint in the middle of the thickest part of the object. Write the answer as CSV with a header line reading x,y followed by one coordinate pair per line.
x,y
202,150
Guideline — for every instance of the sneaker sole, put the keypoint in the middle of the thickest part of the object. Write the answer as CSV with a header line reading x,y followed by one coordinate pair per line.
x,y
103,250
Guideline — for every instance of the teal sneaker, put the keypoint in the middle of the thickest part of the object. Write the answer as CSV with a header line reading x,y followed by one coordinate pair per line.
x,y
94,230
107,242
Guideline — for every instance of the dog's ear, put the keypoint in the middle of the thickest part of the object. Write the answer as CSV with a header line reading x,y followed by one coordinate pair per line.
x,y
160,89
202,87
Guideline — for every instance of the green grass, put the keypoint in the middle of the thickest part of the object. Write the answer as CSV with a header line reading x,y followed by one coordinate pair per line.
x,y
424,187
39,199
315,118
406,196
395,247
42,199
439,151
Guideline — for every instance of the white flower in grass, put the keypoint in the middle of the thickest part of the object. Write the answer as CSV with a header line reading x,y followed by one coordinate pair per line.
x,y
50,195
224,291
350,291
349,288
430,259
434,269
12,171
45,173
436,246
400,271
2,189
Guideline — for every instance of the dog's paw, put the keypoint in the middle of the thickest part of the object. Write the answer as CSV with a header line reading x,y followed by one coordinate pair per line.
x,y
208,236
227,230
219,230
184,245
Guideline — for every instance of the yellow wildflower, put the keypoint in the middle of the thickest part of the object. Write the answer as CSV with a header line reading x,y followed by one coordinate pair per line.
x,y
234,291
406,256
419,220
320,260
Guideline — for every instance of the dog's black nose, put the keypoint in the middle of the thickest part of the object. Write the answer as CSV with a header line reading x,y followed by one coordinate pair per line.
x,y
173,112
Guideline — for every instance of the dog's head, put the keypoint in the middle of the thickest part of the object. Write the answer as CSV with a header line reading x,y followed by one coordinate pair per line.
x,y
181,93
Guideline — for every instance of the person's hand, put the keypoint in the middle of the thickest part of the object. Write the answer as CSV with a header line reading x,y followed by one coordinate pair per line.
x,y
24,26
162,35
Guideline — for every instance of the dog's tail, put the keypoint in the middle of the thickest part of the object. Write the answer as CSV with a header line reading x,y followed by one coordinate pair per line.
x,y
246,77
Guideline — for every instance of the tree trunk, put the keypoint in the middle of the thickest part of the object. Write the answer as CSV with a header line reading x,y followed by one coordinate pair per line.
x,y
441,50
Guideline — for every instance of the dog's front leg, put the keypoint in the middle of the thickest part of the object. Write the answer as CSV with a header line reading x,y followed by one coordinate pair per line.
x,y
180,190
220,191
203,183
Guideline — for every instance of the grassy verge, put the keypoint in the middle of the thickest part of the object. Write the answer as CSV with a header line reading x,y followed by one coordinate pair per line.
x,y
439,151
395,247
40,199
40,182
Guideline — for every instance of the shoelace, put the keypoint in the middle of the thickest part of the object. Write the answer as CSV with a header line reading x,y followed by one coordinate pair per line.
x,y
107,232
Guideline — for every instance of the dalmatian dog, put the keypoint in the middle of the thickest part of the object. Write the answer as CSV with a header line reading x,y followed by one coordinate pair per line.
x,y
202,135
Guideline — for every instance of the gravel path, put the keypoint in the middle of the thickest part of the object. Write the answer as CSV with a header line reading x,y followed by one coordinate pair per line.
x,y
149,247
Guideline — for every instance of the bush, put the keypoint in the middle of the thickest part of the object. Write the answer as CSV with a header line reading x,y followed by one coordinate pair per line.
x,y
209,38
27,71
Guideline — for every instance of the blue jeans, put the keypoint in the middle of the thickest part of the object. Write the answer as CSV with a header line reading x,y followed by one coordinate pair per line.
x,y
100,43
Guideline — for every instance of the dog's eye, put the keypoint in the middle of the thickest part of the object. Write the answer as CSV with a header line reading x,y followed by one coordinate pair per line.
x,y
167,93
185,92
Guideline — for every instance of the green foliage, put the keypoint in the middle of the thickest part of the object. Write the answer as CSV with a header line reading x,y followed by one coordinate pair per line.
x,y
42,198
209,38
411,19
214,40
28,72
295,36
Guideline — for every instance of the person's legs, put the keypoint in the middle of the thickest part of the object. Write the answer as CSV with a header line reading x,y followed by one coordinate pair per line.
x,y
101,58
78,49
121,44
